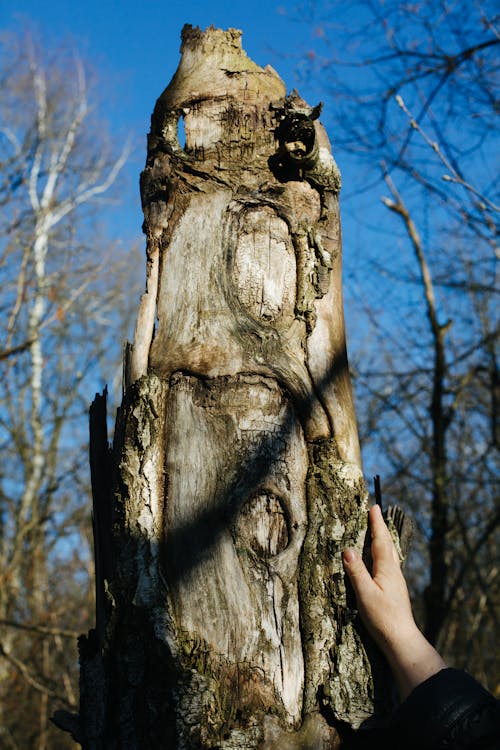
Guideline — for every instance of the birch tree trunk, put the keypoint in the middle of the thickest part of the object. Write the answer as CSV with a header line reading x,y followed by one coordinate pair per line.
x,y
234,480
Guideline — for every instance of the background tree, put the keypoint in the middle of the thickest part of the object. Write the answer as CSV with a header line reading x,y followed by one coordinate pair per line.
x,y
58,303
423,118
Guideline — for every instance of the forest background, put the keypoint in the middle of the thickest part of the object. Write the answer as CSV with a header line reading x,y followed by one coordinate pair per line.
x,y
411,101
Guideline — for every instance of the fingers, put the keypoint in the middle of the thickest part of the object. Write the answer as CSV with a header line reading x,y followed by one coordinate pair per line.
x,y
384,552
359,576
377,523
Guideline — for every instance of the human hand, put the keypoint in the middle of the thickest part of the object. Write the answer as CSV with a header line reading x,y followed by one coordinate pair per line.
x,y
383,599
385,608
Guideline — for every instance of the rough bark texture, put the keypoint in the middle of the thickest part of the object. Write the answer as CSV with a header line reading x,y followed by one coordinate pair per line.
x,y
234,480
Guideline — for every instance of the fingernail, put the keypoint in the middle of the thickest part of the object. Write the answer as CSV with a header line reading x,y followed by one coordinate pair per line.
x,y
349,555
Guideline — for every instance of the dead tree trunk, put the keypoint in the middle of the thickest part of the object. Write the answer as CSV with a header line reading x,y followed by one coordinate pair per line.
x,y
234,480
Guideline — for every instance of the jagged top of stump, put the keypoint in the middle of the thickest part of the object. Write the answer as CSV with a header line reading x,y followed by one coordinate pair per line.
x,y
213,62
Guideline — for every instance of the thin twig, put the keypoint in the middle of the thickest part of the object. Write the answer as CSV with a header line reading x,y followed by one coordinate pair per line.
x,y
40,629
434,145
25,674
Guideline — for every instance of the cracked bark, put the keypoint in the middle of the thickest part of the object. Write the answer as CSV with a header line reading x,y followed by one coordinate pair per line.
x,y
234,479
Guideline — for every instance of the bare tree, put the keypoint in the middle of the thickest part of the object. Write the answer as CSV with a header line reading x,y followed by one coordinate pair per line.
x,y
57,309
422,116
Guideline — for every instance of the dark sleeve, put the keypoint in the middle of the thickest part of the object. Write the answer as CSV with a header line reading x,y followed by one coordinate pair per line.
x,y
448,711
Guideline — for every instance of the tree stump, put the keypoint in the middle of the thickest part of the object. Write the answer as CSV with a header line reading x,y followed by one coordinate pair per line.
x,y
234,480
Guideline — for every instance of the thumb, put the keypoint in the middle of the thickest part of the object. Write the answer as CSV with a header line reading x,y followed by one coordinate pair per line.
x,y
357,571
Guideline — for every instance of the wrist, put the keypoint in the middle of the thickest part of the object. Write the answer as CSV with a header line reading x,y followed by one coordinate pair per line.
x,y
412,660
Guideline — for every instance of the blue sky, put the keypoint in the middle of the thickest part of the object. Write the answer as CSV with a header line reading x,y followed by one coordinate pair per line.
x,y
140,40
134,48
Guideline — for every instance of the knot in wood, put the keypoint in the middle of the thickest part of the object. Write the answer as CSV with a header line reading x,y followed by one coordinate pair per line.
x,y
262,525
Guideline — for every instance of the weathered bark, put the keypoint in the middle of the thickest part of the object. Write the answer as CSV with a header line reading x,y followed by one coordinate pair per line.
x,y
235,475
